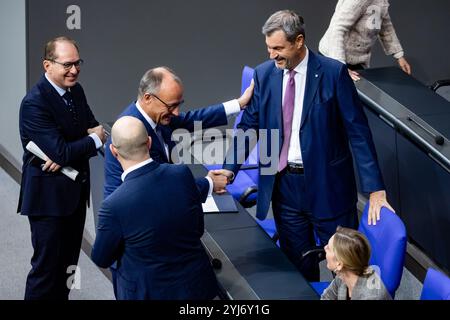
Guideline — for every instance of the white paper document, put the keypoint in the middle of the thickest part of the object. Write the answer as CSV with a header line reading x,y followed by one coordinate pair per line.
x,y
210,205
67,171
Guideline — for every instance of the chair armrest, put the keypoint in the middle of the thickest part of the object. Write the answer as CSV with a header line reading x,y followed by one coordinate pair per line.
x,y
318,252
243,198
440,83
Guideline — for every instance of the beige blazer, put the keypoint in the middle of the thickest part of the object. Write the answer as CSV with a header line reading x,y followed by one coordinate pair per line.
x,y
354,29
369,287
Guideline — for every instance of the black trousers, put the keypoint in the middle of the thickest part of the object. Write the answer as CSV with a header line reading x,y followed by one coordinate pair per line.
x,y
355,67
56,242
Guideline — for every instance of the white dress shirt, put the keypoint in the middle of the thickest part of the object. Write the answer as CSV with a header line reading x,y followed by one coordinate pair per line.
x,y
294,151
153,124
135,167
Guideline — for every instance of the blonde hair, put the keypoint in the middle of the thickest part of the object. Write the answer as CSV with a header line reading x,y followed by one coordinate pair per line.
x,y
352,249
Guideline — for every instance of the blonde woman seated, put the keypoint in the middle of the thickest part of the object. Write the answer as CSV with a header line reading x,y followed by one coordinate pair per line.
x,y
348,254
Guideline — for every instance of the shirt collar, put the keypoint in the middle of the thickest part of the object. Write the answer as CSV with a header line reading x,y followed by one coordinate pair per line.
x,y
302,66
60,90
145,115
135,167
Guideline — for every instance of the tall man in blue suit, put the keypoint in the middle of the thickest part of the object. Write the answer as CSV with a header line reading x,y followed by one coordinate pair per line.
x,y
56,117
312,102
152,225
160,96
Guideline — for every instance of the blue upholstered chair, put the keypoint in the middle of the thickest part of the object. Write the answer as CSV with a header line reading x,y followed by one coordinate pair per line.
x,y
245,185
388,243
269,226
436,286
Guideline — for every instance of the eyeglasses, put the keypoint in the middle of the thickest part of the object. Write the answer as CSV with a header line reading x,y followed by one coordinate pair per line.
x,y
69,65
170,107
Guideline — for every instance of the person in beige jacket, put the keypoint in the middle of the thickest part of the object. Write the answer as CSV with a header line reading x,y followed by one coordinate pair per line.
x,y
354,29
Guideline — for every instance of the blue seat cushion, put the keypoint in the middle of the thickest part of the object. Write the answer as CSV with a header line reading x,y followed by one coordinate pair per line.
x,y
319,287
241,183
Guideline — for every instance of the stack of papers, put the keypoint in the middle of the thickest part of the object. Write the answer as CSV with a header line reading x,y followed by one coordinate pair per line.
x,y
220,204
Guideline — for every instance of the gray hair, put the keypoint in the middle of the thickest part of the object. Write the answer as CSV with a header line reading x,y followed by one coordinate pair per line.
x,y
152,79
129,136
286,20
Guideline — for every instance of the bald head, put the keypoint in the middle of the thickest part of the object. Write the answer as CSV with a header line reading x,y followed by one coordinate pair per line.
x,y
130,139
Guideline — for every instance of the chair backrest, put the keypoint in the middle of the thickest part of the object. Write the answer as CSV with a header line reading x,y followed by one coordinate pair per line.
x,y
388,243
436,286
247,76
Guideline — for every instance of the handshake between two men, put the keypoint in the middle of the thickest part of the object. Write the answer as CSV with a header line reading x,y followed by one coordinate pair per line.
x,y
220,178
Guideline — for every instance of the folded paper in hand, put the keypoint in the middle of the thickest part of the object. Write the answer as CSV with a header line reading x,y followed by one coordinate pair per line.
x,y
219,204
67,171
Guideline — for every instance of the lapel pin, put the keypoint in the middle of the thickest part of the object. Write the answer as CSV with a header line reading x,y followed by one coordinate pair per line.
x,y
316,75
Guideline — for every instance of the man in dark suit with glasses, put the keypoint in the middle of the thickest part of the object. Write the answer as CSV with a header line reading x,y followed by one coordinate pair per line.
x,y
56,117
160,96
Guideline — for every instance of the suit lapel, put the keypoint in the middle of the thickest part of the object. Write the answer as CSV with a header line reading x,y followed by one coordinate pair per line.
x,y
342,291
313,78
156,150
135,112
52,96
276,88
58,105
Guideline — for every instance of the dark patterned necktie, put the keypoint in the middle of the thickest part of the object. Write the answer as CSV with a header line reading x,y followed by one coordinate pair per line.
x,y
159,134
68,98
